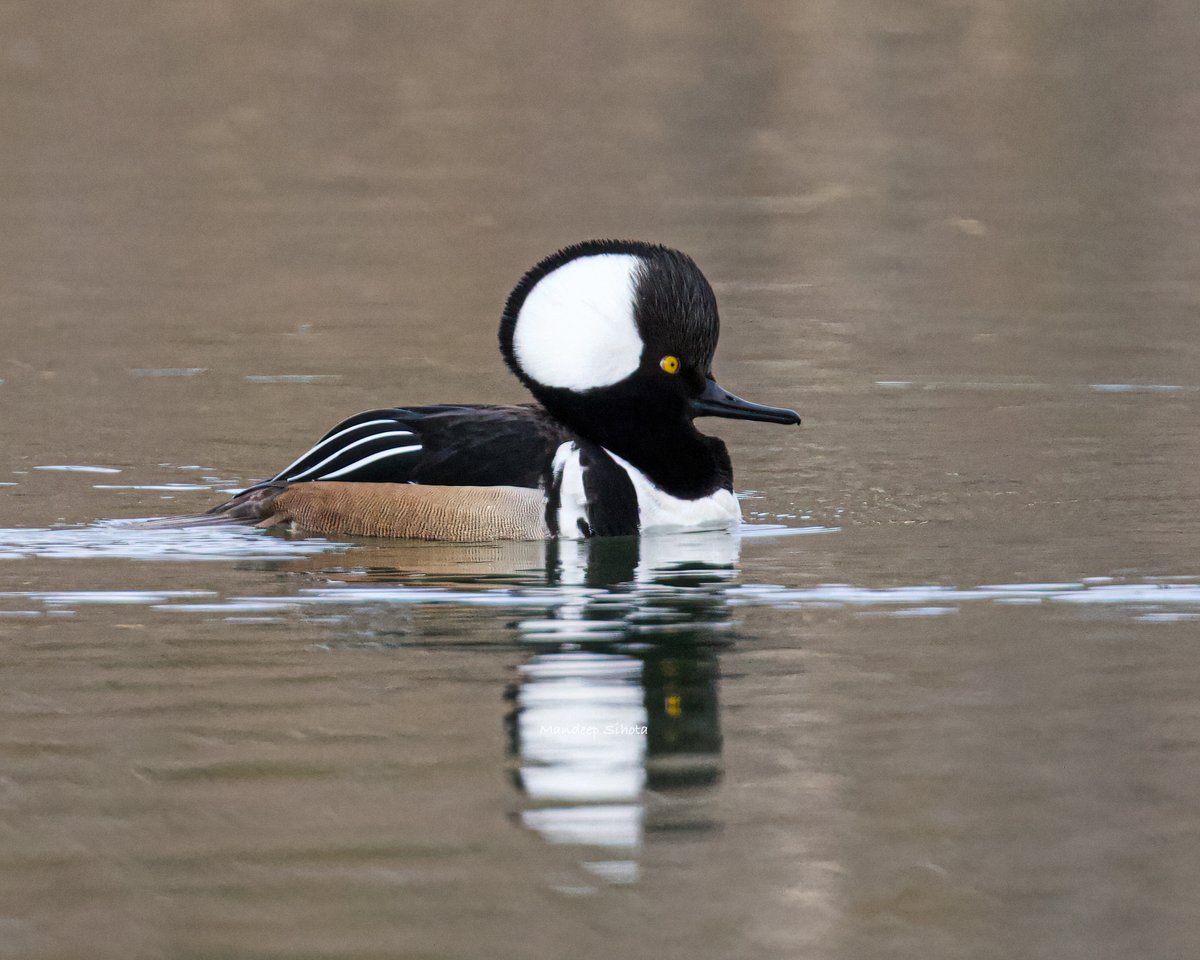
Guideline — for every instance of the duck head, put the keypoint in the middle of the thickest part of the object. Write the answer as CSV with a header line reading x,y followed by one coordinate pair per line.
x,y
608,318
616,340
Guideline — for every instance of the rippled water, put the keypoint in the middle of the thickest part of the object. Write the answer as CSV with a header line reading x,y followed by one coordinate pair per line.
x,y
937,699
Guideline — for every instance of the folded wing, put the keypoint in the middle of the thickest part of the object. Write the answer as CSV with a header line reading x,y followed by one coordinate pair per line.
x,y
445,444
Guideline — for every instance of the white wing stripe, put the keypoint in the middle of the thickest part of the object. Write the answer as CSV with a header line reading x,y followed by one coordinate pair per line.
x,y
341,433
371,459
350,446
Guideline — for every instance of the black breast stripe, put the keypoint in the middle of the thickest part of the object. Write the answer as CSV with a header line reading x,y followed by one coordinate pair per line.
x,y
612,505
552,485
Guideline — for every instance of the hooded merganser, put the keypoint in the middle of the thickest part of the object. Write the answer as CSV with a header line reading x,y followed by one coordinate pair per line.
x,y
615,340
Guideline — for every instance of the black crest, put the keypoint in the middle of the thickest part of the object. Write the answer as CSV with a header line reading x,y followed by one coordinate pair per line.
x,y
675,303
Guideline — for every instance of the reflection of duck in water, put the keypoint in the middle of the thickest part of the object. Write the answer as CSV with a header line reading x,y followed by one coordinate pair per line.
x,y
614,724
615,728
615,340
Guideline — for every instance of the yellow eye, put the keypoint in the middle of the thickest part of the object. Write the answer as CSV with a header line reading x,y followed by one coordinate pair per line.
x,y
669,364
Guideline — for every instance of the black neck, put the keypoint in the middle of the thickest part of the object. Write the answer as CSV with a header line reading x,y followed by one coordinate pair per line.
x,y
665,446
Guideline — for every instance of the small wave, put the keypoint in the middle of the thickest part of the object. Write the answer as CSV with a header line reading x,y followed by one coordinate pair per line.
x,y
125,541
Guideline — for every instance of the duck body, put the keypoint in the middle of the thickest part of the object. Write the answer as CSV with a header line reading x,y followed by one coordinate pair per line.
x,y
460,453
615,340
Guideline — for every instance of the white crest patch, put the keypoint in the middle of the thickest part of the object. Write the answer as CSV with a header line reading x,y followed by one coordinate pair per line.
x,y
576,328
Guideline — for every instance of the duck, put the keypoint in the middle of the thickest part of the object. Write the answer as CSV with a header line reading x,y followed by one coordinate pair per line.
x,y
615,341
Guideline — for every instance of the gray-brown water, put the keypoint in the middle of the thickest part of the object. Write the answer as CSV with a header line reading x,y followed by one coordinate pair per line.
x,y
939,702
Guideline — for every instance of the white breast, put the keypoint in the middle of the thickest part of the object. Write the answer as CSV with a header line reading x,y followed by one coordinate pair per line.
x,y
659,512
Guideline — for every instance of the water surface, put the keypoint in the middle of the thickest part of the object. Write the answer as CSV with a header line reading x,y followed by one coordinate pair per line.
x,y
937,700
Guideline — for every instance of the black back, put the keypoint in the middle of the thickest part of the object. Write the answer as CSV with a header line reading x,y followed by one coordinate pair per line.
x,y
447,444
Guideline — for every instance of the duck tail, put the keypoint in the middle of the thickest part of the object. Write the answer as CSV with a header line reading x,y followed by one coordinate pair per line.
x,y
251,507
